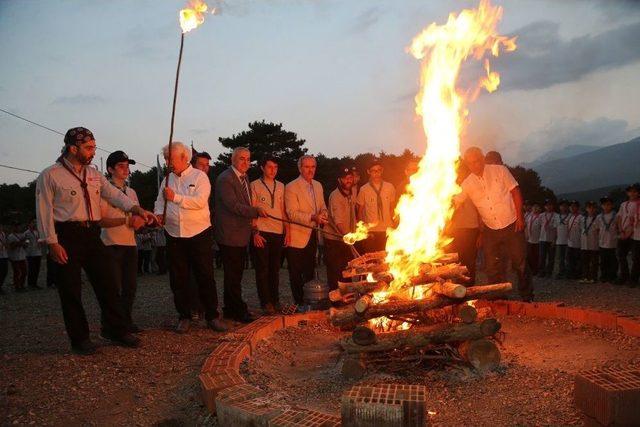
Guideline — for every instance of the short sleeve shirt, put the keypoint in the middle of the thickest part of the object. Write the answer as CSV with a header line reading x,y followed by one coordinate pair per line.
x,y
590,234
16,253
547,227
491,194
368,198
607,230
574,231
533,228
270,197
121,235
560,221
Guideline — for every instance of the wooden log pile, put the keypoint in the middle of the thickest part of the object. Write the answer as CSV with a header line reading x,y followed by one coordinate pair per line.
x,y
441,317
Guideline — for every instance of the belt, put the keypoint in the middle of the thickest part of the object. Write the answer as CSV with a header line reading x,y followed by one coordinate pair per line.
x,y
80,224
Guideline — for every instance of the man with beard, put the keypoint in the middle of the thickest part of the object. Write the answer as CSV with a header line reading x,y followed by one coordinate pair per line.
x,y
342,214
68,211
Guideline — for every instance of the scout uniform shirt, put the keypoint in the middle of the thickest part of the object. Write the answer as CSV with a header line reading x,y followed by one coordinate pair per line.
x,y
628,218
607,230
533,228
561,223
377,204
589,236
574,231
547,227
122,235
342,210
60,197
271,197
3,246
16,252
34,247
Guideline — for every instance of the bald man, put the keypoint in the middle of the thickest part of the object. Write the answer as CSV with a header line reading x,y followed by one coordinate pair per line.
x,y
496,195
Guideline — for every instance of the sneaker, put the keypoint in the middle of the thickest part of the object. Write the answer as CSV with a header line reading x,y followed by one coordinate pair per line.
x,y
217,325
183,326
84,348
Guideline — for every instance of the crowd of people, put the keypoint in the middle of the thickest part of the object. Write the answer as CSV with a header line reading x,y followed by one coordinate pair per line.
x,y
86,221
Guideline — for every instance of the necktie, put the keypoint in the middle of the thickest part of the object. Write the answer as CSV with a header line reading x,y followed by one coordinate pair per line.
x,y
243,178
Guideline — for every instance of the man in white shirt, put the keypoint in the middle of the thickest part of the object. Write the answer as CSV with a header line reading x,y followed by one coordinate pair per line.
x,y
574,237
189,236
628,221
560,222
548,232
496,195
34,255
4,258
376,202
304,202
607,240
16,245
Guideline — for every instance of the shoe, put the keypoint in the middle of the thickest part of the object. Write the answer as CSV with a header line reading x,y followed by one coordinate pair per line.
x,y
245,318
84,348
126,340
217,325
183,326
134,329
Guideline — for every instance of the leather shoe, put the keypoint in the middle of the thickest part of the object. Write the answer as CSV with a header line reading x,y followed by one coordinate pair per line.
x,y
217,325
183,326
84,348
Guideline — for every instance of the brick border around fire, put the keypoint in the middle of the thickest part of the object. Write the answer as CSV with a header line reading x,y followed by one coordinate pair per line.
x,y
235,402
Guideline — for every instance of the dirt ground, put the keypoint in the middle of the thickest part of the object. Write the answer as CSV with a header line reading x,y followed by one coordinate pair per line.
x,y
42,383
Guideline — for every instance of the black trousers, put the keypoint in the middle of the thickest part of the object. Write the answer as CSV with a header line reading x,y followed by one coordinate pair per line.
x,y
589,264
562,260
608,264
465,243
574,266
196,254
624,248
161,259
500,245
4,270
86,252
533,257
144,261
19,269
302,267
337,255
547,256
125,259
233,261
266,262
33,270
51,272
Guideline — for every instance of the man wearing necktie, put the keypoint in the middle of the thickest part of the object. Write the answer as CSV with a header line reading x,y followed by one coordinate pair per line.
x,y
304,203
234,214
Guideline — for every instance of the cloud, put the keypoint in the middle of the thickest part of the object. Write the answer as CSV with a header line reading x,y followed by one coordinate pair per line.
x,y
543,59
564,132
366,20
79,100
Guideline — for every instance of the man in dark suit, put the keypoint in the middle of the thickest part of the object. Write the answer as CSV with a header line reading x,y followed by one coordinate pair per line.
x,y
233,227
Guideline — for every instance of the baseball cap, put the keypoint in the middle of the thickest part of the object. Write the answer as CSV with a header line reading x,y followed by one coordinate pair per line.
x,y
345,171
117,157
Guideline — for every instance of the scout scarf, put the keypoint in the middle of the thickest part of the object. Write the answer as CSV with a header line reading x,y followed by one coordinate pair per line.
x,y
563,219
83,184
608,224
532,218
573,222
587,226
378,200
271,193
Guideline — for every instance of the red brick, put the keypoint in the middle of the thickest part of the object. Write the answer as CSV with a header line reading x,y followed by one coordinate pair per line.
x,y
239,393
299,417
517,308
247,413
260,329
611,396
212,384
545,310
295,320
228,354
385,405
574,314
629,325
601,319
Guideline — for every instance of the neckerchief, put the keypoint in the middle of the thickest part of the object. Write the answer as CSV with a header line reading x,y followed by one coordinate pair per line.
x,y
271,193
378,200
123,189
608,224
563,219
352,219
588,227
532,219
573,221
547,219
83,184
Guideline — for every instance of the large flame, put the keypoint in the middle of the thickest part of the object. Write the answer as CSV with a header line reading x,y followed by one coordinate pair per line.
x,y
193,15
361,232
425,208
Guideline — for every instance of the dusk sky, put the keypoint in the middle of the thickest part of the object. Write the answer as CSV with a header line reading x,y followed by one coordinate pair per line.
x,y
335,72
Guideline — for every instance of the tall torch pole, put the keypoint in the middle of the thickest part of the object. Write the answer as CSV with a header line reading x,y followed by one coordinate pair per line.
x,y
173,116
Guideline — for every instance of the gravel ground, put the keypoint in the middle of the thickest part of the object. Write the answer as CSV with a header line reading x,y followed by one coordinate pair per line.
x,y
42,383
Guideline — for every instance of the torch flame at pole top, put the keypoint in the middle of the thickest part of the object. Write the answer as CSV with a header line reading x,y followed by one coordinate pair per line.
x,y
426,207
193,15
361,233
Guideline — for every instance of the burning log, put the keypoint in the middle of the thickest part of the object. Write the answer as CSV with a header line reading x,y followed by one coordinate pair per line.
x,y
361,287
448,289
425,336
365,270
457,272
380,256
348,316
337,297
482,354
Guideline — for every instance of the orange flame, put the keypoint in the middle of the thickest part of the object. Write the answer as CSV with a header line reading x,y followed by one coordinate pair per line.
x,y
361,233
426,207
193,15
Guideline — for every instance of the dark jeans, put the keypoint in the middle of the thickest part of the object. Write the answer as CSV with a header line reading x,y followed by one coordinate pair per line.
x,y
465,243
4,269
608,264
266,261
624,248
562,260
144,261
574,268
33,266
51,272
125,259
504,244
87,252
161,259
302,267
337,255
233,262
192,253
377,241
19,269
547,254
533,257
589,264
